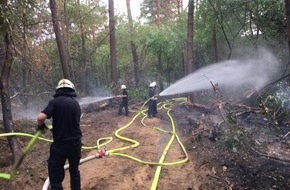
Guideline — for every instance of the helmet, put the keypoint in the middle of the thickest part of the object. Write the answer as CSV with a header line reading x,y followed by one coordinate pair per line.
x,y
123,87
152,84
65,83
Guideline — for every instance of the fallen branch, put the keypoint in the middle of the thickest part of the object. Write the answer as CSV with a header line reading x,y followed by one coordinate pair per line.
x,y
199,132
3,141
226,182
287,162
286,134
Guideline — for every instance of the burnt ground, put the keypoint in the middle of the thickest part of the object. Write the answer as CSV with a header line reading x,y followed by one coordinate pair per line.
x,y
228,148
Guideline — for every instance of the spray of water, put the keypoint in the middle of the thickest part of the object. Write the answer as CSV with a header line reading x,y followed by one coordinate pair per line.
x,y
232,73
91,100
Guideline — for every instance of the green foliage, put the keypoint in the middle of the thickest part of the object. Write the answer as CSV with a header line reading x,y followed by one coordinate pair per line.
x,y
236,22
149,10
232,119
239,24
234,139
138,94
277,104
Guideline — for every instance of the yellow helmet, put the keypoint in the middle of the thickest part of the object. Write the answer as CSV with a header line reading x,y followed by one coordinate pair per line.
x,y
65,83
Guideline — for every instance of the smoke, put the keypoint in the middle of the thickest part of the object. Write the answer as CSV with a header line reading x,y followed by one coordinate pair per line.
x,y
256,72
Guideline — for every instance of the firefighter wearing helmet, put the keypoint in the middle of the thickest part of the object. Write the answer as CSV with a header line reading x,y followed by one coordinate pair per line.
x,y
65,112
152,105
65,83
124,101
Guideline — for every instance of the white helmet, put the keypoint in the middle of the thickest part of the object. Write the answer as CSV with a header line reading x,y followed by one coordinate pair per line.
x,y
123,87
65,83
152,84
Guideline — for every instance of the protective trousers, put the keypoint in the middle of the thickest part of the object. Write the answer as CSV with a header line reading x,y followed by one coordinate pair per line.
x,y
59,153
124,104
152,108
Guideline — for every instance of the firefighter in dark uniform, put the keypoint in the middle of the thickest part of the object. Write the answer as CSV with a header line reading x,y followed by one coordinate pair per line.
x,y
152,104
124,101
65,112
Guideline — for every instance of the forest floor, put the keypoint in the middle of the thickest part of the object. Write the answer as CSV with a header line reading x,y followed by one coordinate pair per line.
x,y
246,155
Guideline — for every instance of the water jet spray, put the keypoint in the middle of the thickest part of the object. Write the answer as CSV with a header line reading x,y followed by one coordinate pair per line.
x,y
91,100
232,73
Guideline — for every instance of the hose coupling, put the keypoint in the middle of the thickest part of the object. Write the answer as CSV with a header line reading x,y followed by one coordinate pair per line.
x,y
102,153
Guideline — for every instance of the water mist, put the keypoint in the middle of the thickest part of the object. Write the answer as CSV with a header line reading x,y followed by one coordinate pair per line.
x,y
232,73
91,100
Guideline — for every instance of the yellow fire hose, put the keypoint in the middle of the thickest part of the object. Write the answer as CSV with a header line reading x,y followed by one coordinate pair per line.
x,y
113,151
21,158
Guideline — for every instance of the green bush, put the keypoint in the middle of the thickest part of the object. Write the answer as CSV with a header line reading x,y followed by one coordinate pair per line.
x,y
276,105
234,139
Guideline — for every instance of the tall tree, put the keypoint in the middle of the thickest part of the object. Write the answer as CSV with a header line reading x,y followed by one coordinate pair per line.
x,y
190,62
59,40
214,39
6,47
25,70
287,6
190,66
133,45
87,66
158,13
113,53
155,11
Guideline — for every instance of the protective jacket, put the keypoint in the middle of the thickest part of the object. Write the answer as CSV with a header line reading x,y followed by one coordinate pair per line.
x,y
65,111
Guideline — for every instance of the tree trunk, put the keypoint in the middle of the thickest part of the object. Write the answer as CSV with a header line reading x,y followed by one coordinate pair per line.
x,y
114,70
5,98
287,7
190,66
158,13
87,66
214,45
214,40
25,70
160,70
59,40
133,45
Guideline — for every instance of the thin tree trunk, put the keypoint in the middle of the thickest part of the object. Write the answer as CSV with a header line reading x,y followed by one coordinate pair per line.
x,y
214,45
160,70
133,45
5,98
25,70
287,7
114,70
190,37
59,40
159,57
214,40
190,66
87,66
158,13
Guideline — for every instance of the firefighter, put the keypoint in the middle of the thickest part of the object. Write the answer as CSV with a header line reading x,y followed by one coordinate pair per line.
x,y
65,112
124,101
152,105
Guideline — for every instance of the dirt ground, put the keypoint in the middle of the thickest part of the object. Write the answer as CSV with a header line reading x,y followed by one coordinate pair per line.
x,y
249,157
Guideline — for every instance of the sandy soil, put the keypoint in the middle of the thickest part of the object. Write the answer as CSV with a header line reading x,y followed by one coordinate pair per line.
x,y
210,165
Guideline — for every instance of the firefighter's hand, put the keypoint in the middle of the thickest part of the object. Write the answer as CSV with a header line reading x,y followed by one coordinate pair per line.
x,y
41,127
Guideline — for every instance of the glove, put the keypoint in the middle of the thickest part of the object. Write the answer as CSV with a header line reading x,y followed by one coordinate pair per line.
x,y
41,127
